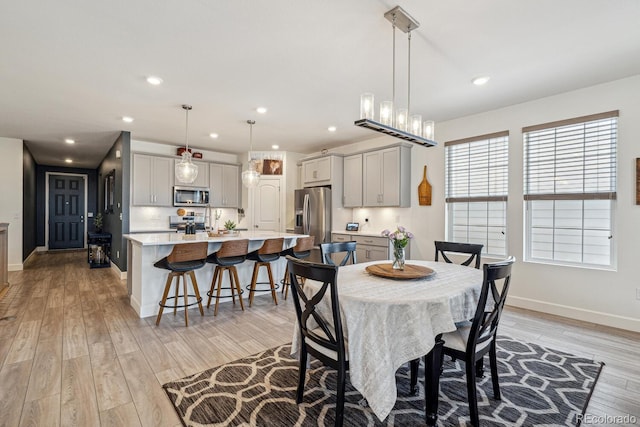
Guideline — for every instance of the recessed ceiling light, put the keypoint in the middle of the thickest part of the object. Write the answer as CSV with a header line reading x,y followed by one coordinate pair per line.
x,y
69,141
261,110
68,161
275,146
154,80
331,128
214,135
479,81
127,119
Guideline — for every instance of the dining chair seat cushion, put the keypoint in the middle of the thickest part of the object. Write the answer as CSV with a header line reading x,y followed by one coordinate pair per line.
x,y
333,355
226,261
299,255
255,256
181,266
458,339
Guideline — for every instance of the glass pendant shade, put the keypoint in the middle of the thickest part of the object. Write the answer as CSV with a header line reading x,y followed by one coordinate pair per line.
x,y
415,124
401,119
250,178
429,129
386,113
186,171
367,106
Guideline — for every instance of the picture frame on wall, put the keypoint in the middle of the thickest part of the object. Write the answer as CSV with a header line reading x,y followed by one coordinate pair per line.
x,y
272,167
109,190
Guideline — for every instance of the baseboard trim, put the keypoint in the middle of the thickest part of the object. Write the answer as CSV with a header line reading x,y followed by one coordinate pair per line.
x,y
607,319
42,249
15,267
122,275
31,255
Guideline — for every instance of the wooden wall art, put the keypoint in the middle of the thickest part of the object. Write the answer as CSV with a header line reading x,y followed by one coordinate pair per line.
x,y
424,190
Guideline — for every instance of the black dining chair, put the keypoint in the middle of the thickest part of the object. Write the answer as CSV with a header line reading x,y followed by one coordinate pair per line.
x,y
472,249
320,337
471,341
348,248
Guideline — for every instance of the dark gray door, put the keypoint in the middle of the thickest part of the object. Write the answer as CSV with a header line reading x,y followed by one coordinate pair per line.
x,y
66,212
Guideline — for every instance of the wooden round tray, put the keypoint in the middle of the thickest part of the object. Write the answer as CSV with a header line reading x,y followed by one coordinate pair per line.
x,y
410,271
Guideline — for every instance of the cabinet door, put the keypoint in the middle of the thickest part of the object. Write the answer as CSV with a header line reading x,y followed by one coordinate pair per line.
x,y
371,185
230,186
309,171
141,180
215,185
390,182
353,181
323,169
202,180
162,178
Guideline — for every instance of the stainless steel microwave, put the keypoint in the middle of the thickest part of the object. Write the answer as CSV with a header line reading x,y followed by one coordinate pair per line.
x,y
190,196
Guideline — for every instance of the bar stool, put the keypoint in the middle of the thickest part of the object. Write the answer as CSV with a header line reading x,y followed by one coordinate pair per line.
x,y
183,259
269,252
230,254
301,250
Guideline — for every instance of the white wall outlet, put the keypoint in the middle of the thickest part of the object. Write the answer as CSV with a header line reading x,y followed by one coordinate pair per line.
x,y
89,214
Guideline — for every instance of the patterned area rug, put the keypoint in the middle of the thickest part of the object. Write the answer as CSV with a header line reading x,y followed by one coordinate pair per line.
x,y
539,387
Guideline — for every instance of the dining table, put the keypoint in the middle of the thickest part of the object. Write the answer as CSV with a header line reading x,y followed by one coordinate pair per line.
x,y
388,322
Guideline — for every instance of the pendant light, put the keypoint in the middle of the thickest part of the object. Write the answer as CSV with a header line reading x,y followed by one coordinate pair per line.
x,y
250,177
186,171
398,122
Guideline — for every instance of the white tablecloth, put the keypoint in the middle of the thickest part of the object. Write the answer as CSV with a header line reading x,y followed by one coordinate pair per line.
x,y
390,322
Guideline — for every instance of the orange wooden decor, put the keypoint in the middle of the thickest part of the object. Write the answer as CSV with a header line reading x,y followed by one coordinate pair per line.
x,y
410,271
424,190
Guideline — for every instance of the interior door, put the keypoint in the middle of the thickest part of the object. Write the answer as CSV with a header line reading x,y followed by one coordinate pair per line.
x,y
266,205
66,212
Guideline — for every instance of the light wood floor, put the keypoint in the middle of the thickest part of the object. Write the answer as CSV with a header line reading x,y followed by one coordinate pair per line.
x,y
73,352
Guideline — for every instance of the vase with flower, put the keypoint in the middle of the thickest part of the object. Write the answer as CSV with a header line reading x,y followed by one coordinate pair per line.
x,y
399,240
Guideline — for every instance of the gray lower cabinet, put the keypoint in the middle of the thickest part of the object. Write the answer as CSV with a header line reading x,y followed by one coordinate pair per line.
x,y
368,248
224,184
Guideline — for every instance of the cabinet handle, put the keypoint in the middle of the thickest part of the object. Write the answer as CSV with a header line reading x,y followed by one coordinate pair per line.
x,y
315,174
368,241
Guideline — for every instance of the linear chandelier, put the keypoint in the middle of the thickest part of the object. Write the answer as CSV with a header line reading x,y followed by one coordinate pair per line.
x,y
394,121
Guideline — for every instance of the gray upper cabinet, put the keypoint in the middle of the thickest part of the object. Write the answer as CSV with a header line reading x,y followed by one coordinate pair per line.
x,y
387,178
224,183
352,181
152,180
202,180
316,171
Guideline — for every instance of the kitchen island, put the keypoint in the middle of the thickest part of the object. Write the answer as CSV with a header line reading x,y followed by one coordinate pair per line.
x,y
145,282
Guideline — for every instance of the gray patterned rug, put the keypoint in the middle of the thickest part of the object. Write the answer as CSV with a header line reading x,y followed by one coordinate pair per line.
x,y
539,387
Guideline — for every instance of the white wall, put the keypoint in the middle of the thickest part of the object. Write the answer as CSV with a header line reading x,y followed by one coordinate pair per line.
x,y
599,296
11,191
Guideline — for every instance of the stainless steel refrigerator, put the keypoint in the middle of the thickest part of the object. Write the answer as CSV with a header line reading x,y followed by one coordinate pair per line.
x,y
313,213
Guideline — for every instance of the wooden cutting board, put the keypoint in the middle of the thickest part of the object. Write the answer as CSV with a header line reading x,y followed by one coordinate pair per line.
x,y
424,190
410,271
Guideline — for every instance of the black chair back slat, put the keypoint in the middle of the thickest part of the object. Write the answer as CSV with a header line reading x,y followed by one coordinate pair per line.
x,y
472,249
306,307
349,248
485,322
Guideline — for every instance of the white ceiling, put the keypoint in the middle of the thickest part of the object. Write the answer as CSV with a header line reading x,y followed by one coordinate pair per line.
x,y
73,68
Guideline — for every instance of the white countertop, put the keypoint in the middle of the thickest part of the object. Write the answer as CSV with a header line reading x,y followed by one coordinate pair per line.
x,y
156,239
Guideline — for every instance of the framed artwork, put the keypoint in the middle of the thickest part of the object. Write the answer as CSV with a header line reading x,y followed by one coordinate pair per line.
x,y
109,189
271,167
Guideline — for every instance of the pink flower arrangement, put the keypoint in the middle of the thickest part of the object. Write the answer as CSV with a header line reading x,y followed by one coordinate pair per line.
x,y
400,238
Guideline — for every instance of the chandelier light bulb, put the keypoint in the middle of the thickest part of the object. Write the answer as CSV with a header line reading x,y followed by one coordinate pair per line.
x,y
186,171
366,106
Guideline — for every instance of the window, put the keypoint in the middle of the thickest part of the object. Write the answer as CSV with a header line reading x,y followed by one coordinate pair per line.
x,y
476,191
570,190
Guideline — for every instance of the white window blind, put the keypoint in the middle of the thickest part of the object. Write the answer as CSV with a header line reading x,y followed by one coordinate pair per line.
x,y
476,191
570,190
